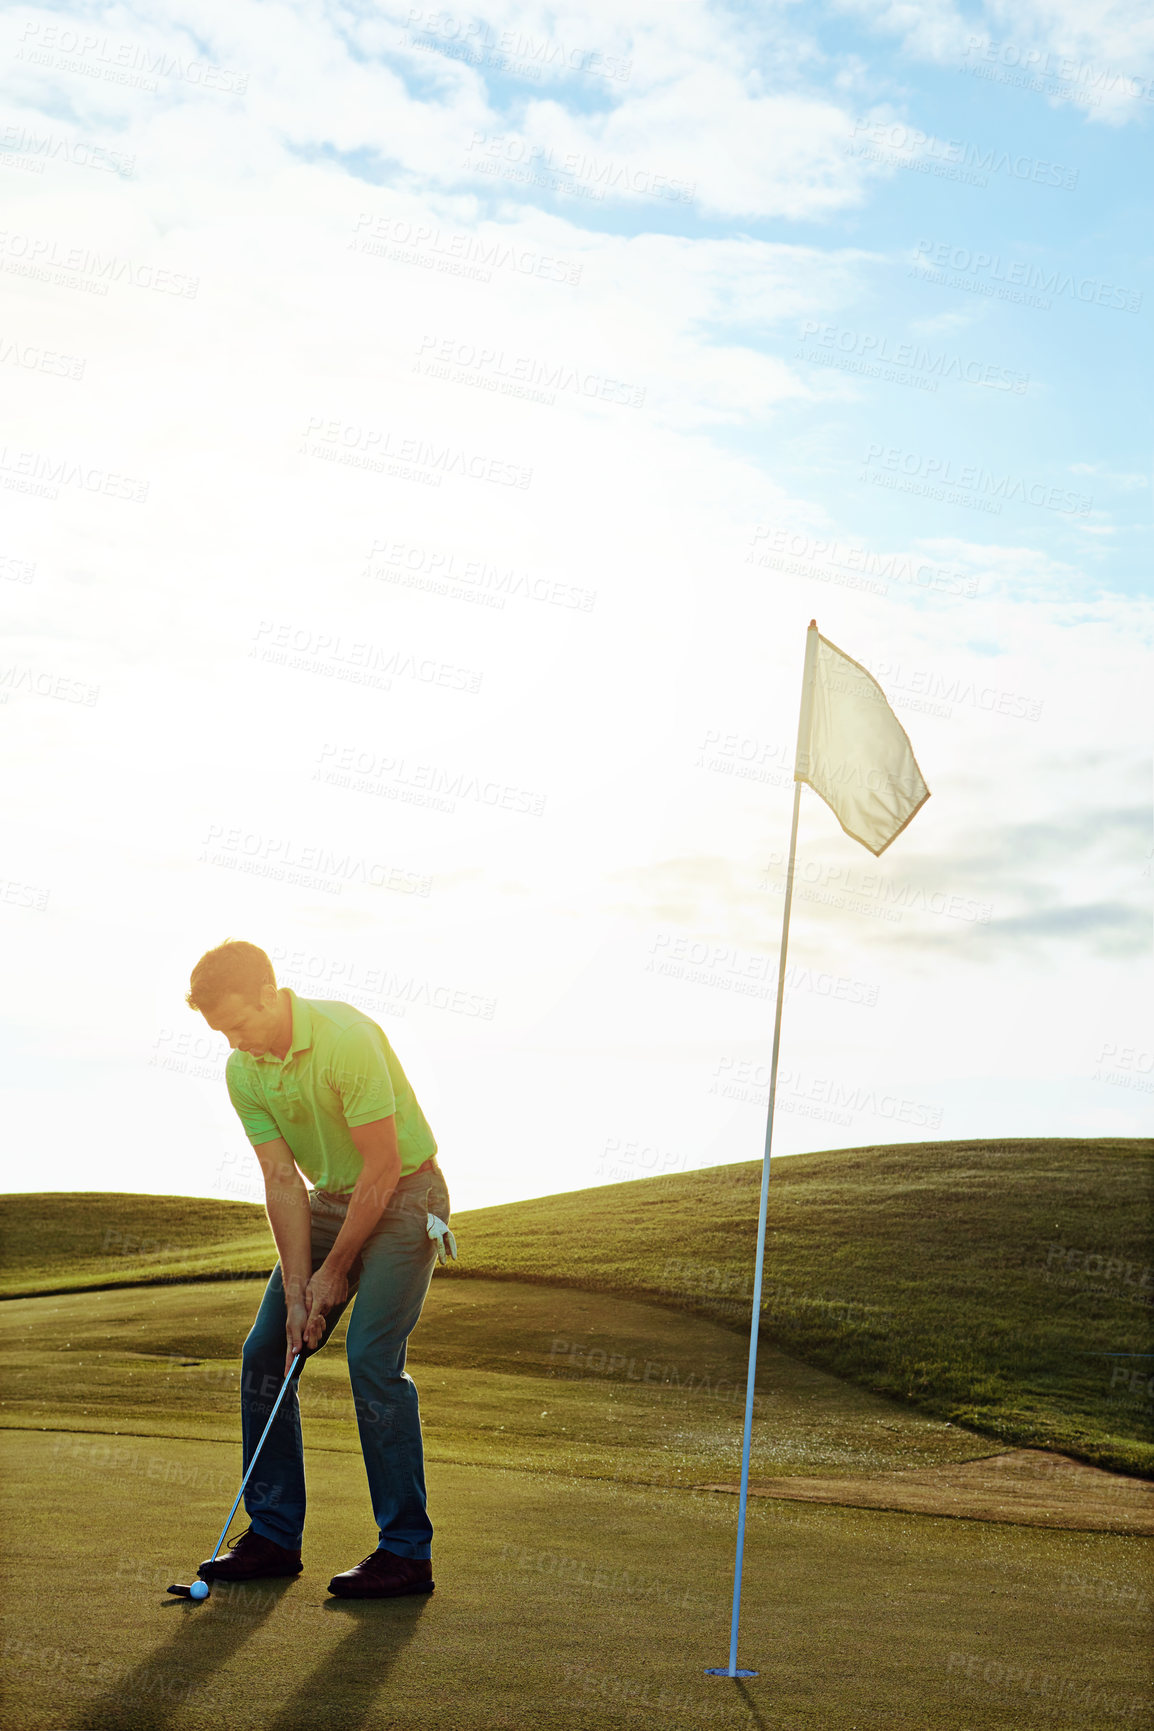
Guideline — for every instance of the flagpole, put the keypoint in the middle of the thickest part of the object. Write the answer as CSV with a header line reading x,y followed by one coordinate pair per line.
x,y
800,764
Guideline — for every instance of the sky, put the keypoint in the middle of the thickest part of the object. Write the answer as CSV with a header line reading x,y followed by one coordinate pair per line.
x,y
427,437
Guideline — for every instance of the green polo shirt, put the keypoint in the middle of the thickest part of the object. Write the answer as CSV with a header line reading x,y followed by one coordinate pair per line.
x,y
338,1072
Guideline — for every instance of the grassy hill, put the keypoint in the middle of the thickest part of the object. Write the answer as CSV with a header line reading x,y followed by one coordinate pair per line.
x,y
995,1284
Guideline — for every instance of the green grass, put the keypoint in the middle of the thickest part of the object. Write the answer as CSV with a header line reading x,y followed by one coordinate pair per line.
x,y
560,1603
72,1241
651,1396
927,1272
581,1580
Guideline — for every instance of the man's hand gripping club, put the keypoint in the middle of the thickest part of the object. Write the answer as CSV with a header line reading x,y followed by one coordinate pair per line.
x,y
305,1315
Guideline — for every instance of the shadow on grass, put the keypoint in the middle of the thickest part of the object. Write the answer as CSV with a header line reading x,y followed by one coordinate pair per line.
x,y
345,1687
741,1689
347,1683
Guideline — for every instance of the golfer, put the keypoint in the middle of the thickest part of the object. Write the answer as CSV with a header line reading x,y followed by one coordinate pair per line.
x,y
317,1086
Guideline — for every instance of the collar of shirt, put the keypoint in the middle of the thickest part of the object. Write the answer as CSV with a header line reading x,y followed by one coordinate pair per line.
x,y
302,1033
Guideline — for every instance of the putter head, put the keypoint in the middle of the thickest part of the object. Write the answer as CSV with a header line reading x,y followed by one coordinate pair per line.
x,y
181,1592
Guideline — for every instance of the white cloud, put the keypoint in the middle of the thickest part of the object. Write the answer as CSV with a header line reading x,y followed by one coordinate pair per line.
x,y
1099,58
1127,481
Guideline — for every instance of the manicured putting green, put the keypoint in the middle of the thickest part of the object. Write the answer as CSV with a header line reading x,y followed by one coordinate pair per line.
x,y
560,1602
508,1374
580,1581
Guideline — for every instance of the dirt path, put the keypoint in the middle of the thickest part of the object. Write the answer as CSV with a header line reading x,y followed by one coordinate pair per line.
x,y
1029,1487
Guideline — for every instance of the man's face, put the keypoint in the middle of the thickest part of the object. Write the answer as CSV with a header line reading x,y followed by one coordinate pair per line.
x,y
247,1027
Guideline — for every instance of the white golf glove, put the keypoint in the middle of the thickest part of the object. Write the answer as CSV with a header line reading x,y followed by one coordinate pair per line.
x,y
442,1237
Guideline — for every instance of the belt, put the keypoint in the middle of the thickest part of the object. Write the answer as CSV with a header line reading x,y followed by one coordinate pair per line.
x,y
344,1195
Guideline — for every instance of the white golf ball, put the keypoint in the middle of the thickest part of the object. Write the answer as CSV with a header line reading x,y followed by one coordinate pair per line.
x,y
198,1590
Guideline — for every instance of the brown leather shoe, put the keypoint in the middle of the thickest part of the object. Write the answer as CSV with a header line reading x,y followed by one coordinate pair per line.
x,y
384,1575
251,1558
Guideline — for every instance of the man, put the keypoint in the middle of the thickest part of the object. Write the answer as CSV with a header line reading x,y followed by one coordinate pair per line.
x,y
319,1091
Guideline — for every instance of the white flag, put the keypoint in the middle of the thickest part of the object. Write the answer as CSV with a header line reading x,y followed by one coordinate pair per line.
x,y
853,750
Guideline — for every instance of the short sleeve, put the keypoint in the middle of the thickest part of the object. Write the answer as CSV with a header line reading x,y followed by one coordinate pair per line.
x,y
250,1109
360,1077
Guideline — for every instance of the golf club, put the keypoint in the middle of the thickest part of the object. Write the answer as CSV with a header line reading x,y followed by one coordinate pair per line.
x,y
199,1590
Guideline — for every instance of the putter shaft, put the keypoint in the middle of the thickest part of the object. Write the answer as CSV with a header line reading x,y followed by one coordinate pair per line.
x,y
256,1452
183,1592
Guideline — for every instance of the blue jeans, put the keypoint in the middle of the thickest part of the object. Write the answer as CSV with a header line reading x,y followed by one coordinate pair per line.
x,y
391,1274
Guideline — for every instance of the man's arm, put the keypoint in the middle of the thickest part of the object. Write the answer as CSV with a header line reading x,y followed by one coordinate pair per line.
x,y
286,1202
376,1144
